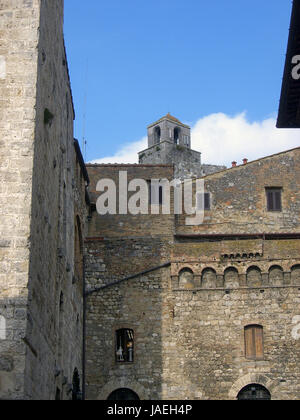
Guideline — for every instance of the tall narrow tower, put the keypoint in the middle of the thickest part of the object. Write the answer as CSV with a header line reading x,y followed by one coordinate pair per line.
x,y
40,303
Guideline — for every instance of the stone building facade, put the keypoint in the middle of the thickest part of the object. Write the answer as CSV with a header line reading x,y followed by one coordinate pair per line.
x,y
143,306
43,207
191,294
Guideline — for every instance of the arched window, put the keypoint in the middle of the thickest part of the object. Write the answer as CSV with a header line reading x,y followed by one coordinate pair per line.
x,y
157,135
176,135
295,274
186,279
231,278
254,392
209,279
123,394
254,277
254,342
276,276
124,345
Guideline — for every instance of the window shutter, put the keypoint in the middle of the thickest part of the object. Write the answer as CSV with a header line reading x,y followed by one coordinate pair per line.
x,y
274,199
254,342
259,351
249,344
270,200
277,199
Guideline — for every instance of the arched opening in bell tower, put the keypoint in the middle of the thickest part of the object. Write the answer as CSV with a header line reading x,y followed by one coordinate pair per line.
x,y
176,135
157,135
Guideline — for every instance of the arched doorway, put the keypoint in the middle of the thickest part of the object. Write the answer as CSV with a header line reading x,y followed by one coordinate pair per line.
x,y
254,392
123,394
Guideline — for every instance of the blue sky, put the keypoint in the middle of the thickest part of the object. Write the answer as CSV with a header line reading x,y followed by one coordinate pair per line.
x,y
136,60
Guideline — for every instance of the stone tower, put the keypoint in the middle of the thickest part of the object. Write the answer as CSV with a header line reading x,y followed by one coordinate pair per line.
x,y
41,205
171,130
169,142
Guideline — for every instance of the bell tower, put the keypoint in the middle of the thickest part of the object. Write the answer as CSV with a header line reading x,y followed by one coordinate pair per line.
x,y
169,143
169,129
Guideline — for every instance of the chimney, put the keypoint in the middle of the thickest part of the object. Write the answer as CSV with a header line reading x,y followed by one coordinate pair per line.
x,y
245,161
234,164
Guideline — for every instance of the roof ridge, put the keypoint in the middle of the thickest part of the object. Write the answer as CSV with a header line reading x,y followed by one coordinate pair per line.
x,y
252,161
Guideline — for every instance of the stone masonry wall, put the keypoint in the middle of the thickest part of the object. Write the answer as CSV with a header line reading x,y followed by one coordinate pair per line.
x,y
238,198
19,23
40,200
187,162
54,329
118,226
189,319
189,341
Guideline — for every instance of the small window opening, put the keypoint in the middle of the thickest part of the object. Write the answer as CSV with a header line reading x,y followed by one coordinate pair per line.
x,y
124,346
254,347
157,135
176,135
206,202
274,199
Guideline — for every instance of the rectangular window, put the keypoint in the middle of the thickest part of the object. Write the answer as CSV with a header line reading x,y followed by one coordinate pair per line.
x,y
254,348
207,205
124,346
207,201
274,200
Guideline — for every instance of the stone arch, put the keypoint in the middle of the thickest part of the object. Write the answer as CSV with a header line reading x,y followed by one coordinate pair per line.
x,y
251,378
209,278
231,278
254,392
276,275
295,274
118,383
123,394
186,279
254,278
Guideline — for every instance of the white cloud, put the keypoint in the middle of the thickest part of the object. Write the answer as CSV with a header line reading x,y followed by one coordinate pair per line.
x,y
126,154
223,139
